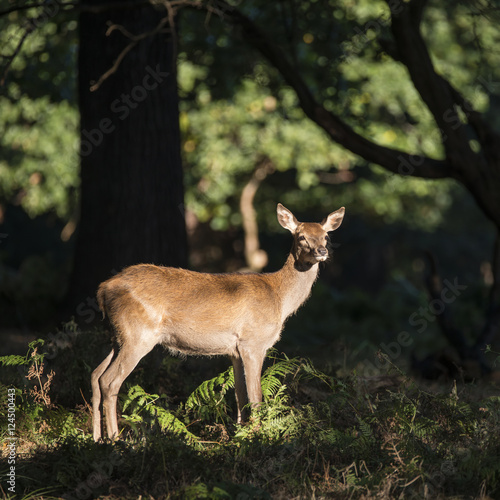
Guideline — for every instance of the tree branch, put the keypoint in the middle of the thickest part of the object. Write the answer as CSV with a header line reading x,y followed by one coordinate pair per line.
x,y
135,39
433,88
80,6
393,160
487,135
168,20
77,5
10,59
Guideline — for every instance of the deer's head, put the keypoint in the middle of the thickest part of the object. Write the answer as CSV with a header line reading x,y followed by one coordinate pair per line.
x,y
310,238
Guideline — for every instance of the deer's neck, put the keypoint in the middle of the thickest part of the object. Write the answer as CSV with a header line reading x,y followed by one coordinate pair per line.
x,y
294,283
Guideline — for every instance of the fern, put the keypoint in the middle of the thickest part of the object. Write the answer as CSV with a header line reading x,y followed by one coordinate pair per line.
x,y
365,430
62,423
31,356
423,428
272,422
141,403
13,360
208,399
138,397
272,379
299,368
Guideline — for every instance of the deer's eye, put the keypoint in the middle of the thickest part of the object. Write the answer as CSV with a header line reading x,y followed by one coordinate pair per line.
x,y
302,238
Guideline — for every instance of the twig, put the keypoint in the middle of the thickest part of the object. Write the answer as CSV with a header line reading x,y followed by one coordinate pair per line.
x,y
169,19
121,29
113,68
10,59
135,39
412,481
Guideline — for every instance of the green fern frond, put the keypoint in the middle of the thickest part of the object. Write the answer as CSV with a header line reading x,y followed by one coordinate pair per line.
x,y
168,422
272,379
365,429
141,404
208,399
139,397
13,360
31,356
298,368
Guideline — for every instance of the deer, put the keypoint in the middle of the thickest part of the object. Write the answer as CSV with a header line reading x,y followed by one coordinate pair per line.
x,y
239,315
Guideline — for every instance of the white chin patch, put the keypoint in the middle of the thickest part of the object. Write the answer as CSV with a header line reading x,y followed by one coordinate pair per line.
x,y
321,258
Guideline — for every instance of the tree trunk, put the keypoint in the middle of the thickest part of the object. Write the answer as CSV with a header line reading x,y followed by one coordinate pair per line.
x,y
131,171
255,257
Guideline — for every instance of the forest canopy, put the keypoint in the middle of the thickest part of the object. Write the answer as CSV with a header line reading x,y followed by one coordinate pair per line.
x,y
337,47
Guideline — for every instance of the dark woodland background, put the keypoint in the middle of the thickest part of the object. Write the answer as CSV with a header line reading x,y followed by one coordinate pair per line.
x,y
167,132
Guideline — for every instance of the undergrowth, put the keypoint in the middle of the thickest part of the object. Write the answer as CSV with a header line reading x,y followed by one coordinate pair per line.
x,y
314,436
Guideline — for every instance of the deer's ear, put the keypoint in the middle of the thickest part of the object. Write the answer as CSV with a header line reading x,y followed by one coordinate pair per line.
x,y
334,220
286,218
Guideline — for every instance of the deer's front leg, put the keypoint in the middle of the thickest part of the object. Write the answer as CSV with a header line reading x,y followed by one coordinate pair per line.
x,y
239,386
253,359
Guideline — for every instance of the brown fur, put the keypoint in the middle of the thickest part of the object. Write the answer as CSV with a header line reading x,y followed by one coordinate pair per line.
x,y
238,315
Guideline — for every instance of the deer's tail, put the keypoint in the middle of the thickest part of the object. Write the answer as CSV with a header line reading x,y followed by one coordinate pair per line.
x,y
101,298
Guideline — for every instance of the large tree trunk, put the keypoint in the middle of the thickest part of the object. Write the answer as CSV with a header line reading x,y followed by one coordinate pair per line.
x,y
131,173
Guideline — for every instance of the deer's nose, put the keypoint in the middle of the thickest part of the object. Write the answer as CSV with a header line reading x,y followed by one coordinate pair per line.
x,y
322,251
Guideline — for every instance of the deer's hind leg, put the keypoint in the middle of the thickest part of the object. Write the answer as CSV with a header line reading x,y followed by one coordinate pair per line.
x,y
112,379
96,394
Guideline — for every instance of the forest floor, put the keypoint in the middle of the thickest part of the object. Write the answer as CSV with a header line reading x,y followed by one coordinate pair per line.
x,y
326,433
